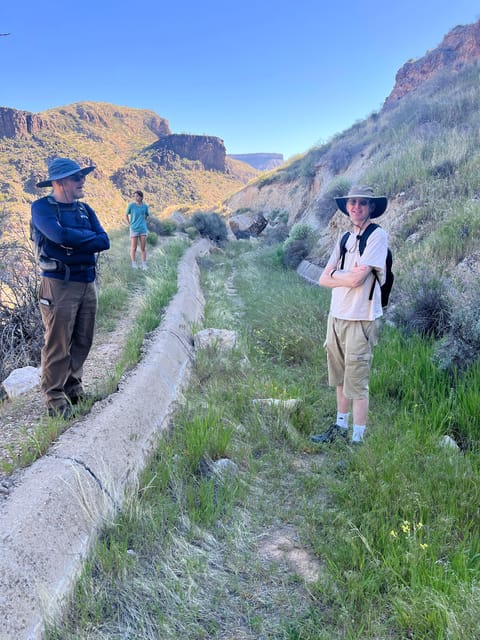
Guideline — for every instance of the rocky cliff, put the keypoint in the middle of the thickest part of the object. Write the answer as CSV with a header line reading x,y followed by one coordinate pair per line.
x,y
208,150
460,46
15,123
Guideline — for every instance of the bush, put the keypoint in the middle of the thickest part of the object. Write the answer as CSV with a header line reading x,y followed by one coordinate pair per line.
x,y
460,347
303,232
152,238
423,305
161,227
210,225
21,331
294,252
192,232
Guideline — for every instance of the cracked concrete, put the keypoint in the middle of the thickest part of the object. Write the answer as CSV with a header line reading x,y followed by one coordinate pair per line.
x,y
53,513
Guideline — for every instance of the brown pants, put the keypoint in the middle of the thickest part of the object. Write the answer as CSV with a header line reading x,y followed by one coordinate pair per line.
x,y
68,312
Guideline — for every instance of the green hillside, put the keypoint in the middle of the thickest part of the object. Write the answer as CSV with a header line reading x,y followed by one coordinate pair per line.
x,y
113,138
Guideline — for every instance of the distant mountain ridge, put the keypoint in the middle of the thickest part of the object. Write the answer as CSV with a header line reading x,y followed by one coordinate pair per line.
x,y
260,161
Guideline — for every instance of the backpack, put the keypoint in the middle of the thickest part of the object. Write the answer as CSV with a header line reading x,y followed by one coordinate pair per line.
x,y
385,288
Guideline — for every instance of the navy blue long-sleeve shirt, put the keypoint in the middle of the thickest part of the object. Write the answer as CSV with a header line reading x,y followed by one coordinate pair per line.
x,y
70,233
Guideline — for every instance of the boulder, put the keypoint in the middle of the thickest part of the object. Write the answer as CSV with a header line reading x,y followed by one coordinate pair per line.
x,y
21,381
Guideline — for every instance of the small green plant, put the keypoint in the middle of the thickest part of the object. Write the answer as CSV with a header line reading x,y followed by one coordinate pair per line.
x,y
152,238
298,244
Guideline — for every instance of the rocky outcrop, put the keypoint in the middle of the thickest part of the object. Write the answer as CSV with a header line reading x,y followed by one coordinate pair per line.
x,y
14,123
260,161
461,46
252,228
209,150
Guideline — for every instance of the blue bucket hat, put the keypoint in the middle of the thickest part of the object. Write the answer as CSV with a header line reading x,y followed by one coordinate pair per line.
x,y
363,192
62,168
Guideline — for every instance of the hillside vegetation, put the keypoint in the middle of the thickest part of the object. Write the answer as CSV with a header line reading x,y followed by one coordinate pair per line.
x,y
114,139
423,153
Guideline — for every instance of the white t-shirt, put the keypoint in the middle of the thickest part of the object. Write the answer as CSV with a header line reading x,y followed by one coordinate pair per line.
x,y
352,303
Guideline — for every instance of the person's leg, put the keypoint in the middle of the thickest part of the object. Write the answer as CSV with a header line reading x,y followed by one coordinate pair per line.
x,y
58,317
361,341
143,249
133,249
336,367
82,338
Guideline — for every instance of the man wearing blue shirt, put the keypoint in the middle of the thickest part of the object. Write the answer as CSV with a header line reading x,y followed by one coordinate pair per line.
x,y
68,237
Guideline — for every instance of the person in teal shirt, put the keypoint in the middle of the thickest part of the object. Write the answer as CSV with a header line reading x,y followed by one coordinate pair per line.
x,y
136,215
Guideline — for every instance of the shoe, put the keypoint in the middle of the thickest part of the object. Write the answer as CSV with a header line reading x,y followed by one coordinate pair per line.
x,y
82,397
64,412
134,265
144,266
331,434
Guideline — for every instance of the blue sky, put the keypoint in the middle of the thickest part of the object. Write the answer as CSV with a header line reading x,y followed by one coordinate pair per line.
x,y
264,75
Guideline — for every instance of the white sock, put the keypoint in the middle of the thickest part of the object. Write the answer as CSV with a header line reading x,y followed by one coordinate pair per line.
x,y
342,420
358,432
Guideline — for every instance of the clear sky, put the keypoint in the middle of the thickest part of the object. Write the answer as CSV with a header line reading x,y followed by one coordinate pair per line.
x,y
276,76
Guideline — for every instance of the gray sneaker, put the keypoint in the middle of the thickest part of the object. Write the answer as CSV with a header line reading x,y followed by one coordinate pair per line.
x,y
331,434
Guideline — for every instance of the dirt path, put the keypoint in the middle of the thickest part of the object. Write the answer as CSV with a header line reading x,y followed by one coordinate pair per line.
x,y
50,517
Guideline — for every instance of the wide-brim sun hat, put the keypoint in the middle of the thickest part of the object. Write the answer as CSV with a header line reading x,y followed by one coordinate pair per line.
x,y
62,168
362,191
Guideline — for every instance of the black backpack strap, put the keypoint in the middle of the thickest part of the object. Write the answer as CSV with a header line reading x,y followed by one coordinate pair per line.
x,y
361,248
343,248
365,236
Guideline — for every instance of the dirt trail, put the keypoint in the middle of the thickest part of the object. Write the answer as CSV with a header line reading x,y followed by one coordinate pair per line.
x,y
50,518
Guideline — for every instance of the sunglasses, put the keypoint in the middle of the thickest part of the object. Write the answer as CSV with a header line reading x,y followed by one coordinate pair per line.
x,y
361,203
77,177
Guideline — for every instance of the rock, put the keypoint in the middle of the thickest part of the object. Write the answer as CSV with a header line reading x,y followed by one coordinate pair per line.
x,y
224,466
21,381
309,271
222,338
289,405
449,442
244,226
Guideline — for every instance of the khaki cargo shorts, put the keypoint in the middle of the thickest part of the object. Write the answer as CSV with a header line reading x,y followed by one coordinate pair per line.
x,y
349,347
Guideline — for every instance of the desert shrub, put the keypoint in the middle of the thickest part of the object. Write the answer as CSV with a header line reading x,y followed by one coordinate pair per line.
x,y
275,235
169,227
152,238
460,347
423,305
278,216
154,224
161,227
302,232
294,252
210,225
21,331
192,232
298,244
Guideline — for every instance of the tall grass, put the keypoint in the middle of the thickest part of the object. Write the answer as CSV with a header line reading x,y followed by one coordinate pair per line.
x,y
392,525
119,287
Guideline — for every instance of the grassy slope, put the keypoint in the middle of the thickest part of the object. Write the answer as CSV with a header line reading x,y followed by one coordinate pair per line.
x,y
391,527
